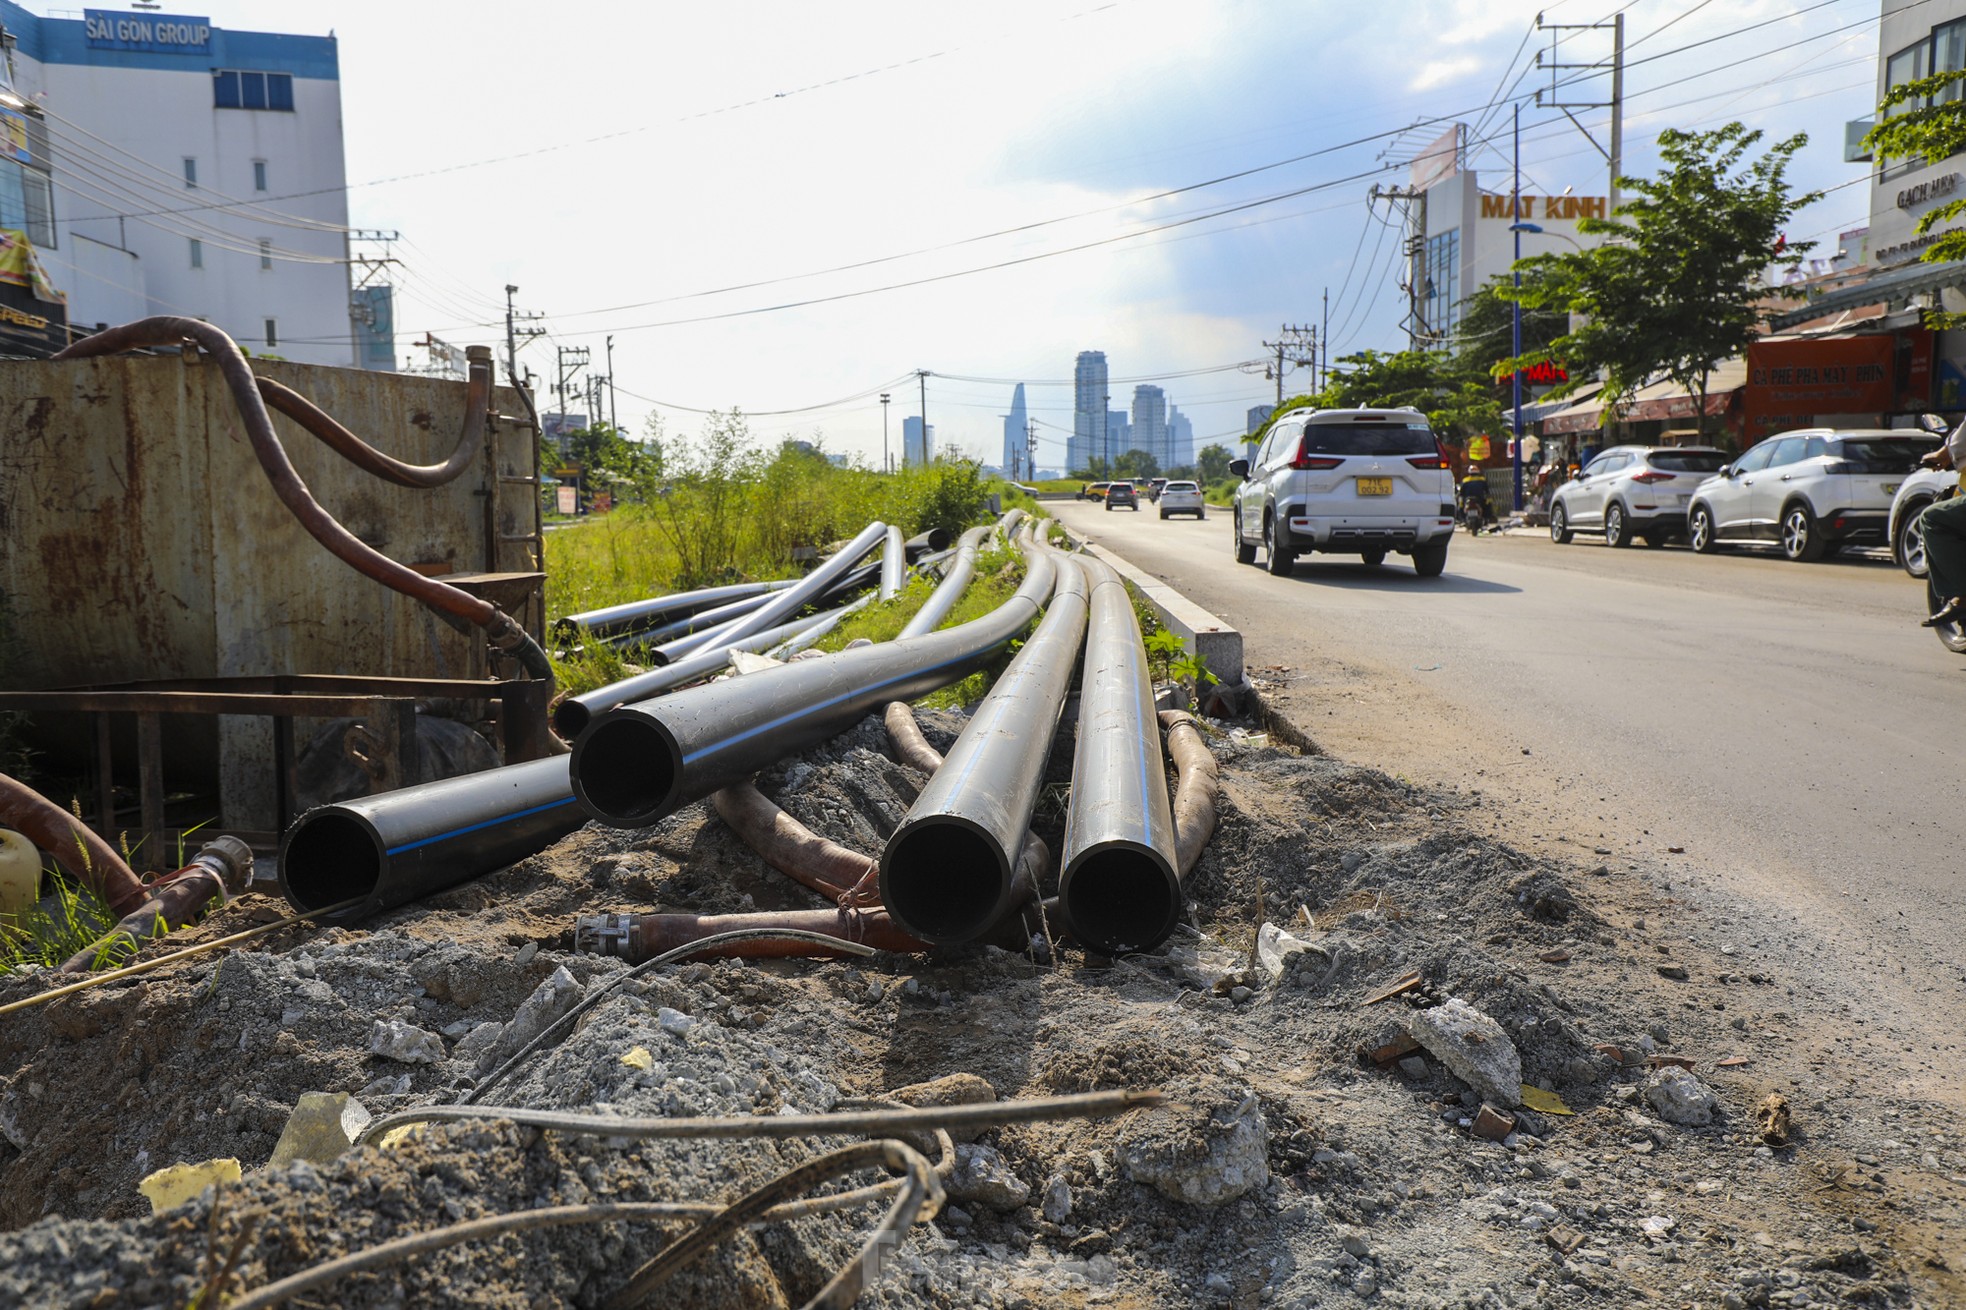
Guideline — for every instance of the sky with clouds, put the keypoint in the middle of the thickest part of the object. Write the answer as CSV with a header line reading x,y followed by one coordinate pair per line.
x,y
789,208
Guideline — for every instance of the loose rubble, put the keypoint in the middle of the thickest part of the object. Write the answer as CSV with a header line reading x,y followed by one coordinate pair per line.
x,y
1290,1167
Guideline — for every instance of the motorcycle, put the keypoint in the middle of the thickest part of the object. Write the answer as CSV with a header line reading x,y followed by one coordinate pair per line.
x,y
1952,633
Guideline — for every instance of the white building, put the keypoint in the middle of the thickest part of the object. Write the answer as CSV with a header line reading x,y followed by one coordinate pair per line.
x,y
916,451
1089,440
175,167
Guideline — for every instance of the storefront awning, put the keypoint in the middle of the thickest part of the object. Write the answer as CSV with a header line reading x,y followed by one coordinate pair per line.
x,y
1895,288
1577,413
1659,401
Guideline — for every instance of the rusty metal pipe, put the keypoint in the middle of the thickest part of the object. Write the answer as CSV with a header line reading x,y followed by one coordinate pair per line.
x,y
74,845
470,442
640,937
789,846
951,870
1118,886
1197,782
222,870
172,330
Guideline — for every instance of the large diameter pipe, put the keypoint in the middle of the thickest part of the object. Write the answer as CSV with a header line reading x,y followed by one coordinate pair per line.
x,y
1120,889
634,615
639,763
783,605
574,713
927,543
894,563
401,845
949,871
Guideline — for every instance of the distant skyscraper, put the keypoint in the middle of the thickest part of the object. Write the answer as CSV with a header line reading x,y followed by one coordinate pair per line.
x,y
913,449
1015,438
1180,436
1089,440
1119,432
1150,424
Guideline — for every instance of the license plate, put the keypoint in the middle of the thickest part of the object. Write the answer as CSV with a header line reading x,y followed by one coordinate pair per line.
x,y
1375,486
1889,488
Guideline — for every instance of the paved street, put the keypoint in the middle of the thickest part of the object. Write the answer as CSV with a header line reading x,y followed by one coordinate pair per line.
x,y
1788,725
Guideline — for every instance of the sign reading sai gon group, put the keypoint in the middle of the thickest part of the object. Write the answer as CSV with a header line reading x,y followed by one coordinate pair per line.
x,y
154,34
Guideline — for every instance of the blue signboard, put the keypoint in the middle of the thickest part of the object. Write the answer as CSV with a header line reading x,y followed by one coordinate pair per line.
x,y
157,34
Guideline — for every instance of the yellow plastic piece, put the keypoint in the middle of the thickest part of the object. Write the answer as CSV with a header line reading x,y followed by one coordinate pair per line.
x,y
395,1137
20,874
171,1187
639,1058
1544,1102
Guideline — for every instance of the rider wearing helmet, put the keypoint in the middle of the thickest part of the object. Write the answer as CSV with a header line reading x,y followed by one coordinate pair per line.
x,y
1944,525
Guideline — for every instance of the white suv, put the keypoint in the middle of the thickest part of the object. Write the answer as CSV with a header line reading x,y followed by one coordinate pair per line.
x,y
1346,481
1182,498
1812,491
1633,491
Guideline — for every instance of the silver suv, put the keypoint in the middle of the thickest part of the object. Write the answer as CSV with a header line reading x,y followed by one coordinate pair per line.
x,y
1812,491
1362,482
1632,492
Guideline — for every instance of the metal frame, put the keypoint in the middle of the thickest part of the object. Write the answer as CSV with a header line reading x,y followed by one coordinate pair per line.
x,y
389,704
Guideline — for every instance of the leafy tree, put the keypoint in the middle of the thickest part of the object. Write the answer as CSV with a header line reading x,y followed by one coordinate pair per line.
x,y
1136,463
1212,463
1673,291
1934,127
698,507
1459,401
1486,335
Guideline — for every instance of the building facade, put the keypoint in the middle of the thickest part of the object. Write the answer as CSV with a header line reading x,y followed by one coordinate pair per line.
x,y
1150,423
1016,436
167,166
915,450
1089,438
1180,438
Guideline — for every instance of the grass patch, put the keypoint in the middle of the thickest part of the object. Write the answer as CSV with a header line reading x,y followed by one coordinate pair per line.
x,y
49,933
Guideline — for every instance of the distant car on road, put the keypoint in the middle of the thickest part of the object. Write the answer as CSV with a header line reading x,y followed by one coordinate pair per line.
x,y
1122,493
1094,491
1359,482
1907,538
1633,491
1182,498
1811,491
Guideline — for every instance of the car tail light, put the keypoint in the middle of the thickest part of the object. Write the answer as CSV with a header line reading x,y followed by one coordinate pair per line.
x,y
1651,475
1427,462
1315,462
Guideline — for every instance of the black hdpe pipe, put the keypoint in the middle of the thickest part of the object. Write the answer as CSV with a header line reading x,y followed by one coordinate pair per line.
x,y
710,637
170,330
927,543
574,713
954,582
949,871
402,845
635,615
676,631
639,763
1118,890
784,604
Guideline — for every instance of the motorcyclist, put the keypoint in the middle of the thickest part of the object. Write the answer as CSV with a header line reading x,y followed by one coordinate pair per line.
x,y
1944,525
1474,497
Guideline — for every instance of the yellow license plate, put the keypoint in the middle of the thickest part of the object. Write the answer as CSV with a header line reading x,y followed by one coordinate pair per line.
x,y
1375,486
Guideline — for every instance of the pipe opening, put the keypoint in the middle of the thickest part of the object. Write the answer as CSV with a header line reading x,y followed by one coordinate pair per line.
x,y
330,857
570,719
943,881
625,770
1120,899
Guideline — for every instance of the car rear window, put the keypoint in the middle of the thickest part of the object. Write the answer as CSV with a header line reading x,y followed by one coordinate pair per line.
x,y
1179,486
1886,454
1687,461
1368,439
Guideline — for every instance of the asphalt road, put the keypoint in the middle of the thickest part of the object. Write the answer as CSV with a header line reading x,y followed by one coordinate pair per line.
x,y
1788,725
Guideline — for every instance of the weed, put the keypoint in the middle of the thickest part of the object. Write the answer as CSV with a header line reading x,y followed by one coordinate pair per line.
x,y
48,933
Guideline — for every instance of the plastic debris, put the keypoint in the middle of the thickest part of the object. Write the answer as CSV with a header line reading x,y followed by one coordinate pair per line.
x,y
639,1058
322,1126
1544,1101
177,1184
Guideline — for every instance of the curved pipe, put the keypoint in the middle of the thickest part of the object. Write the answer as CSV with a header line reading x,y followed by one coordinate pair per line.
x,y
783,605
639,763
789,846
401,845
1119,888
950,870
470,442
170,330
927,543
634,615
222,870
1198,781
85,857
956,580
894,563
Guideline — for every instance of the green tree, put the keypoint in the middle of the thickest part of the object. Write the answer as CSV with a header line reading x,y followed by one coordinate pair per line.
x,y
1484,339
1212,463
698,506
1136,463
1673,290
1458,400
1932,128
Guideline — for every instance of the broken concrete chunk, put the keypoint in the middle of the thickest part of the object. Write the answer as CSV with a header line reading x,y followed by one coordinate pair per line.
x,y
1057,1205
982,1178
1680,1098
479,1040
392,1039
322,1126
545,1007
1203,1158
951,1089
1274,947
673,1022
177,1184
1492,1124
1474,1048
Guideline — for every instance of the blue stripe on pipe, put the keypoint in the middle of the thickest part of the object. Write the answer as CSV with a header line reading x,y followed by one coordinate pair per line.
x,y
488,823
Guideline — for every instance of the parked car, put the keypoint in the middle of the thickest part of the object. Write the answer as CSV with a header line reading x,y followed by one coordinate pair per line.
x,y
1630,492
1182,498
1919,490
1122,493
1812,491
1364,482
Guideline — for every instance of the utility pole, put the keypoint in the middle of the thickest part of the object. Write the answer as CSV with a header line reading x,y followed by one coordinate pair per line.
x,y
516,326
614,420
887,460
1614,156
567,365
1419,333
1321,375
1031,449
1293,346
921,376
1617,152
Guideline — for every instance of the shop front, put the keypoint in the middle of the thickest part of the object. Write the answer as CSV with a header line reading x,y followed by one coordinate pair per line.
x,y
1852,382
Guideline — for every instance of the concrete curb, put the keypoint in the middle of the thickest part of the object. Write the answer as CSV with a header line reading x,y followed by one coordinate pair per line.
x,y
1201,632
